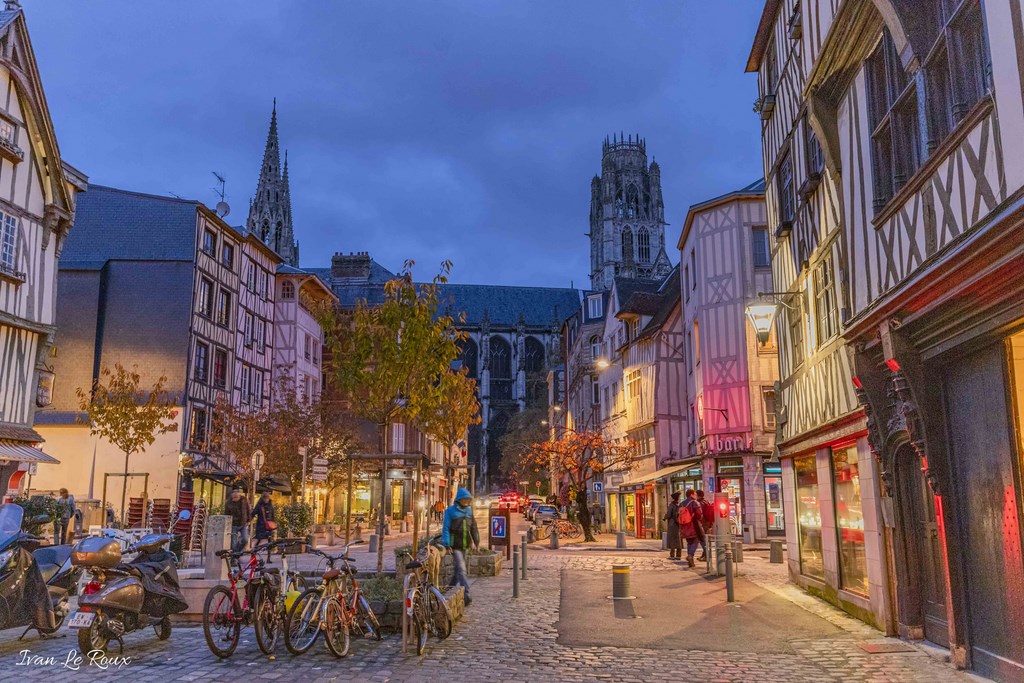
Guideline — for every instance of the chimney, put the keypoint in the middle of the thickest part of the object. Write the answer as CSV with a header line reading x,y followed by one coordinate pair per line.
x,y
353,266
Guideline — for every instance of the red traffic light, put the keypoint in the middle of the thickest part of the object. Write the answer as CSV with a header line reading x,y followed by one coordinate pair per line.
x,y
723,509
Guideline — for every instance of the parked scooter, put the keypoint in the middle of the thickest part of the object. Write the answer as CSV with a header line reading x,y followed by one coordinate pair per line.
x,y
35,581
124,597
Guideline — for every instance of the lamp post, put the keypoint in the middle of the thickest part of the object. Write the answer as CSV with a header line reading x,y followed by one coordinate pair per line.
x,y
763,310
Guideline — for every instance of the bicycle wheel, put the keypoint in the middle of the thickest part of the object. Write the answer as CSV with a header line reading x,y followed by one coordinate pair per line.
x,y
302,625
267,618
418,622
296,582
366,619
440,615
336,633
221,621
575,530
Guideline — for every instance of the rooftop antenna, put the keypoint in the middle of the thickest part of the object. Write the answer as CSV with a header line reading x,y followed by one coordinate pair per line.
x,y
175,195
222,207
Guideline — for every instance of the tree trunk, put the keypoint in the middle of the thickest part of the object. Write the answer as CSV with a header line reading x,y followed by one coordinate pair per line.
x,y
124,493
383,495
583,511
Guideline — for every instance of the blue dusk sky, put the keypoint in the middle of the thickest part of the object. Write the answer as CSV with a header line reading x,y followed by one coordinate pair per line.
x,y
422,129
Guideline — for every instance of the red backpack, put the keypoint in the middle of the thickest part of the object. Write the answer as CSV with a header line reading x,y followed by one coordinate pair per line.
x,y
684,516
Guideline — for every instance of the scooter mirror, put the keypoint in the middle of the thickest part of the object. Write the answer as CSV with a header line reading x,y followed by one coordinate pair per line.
x,y
40,519
184,515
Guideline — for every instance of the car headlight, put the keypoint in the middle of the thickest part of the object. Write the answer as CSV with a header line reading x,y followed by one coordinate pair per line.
x,y
5,557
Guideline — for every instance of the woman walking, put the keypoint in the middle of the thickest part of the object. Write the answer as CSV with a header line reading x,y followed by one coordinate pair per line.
x,y
264,514
675,545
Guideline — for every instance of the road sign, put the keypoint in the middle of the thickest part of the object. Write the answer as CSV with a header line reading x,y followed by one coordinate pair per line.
x,y
319,461
319,470
257,459
598,486
319,477
499,528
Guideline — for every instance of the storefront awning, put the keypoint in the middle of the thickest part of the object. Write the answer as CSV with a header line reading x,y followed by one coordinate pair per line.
x,y
638,480
18,451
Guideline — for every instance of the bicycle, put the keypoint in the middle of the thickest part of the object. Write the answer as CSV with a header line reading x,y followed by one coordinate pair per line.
x,y
566,528
424,604
334,607
261,604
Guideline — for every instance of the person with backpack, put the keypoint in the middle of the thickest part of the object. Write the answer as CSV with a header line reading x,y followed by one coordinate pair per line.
x,y
707,521
459,532
689,518
675,544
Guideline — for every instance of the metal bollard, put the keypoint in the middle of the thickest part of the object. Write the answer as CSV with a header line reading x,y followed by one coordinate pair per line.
x,y
776,553
620,540
522,556
730,595
620,582
372,545
664,540
737,551
515,571
553,541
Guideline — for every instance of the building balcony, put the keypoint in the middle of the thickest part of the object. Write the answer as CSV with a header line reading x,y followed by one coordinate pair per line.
x,y
11,275
10,151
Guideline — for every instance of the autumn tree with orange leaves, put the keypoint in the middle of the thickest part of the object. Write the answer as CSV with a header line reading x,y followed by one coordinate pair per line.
x,y
579,456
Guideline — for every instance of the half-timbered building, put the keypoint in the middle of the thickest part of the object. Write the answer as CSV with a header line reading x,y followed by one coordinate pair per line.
x,y
37,207
255,339
896,138
729,379
298,336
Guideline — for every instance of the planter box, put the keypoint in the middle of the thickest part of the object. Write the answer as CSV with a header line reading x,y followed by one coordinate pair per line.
x,y
195,591
485,563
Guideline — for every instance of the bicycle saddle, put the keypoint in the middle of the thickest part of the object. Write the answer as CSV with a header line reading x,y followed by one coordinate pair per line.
x,y
415,564
331,574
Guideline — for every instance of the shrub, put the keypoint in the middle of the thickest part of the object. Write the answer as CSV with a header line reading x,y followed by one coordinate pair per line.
x,y
297,519
38,505
407,548
381,588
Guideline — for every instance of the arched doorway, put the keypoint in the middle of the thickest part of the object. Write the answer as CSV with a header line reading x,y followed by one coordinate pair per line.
x,y
922,597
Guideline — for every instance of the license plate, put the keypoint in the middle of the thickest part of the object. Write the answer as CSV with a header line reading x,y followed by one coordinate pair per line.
x,y
81,620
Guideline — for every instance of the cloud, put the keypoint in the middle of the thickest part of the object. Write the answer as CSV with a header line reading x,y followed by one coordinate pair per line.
x,y
446,129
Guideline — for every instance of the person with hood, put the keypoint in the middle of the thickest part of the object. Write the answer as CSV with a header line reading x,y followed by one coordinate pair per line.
x,y
459,532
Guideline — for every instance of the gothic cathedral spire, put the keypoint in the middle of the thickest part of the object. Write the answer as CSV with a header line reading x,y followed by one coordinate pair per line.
x,y
270,213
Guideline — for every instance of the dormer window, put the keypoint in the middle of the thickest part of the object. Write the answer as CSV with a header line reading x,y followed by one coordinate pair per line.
x,y
594,306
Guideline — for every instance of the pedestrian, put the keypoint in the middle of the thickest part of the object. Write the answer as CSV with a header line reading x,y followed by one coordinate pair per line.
x,y
707,519
438,510
675,544
65,515
238,509
689,518
459,533
265,520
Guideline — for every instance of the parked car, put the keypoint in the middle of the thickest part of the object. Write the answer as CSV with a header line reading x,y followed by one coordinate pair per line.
x,y
531,508
544,514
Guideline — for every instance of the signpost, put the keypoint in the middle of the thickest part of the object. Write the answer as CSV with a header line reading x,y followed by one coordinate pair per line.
x,y
598,486
256,461
498,536
302,452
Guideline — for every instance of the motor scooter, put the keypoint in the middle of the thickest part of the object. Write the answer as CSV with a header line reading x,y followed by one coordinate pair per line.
x,y
35,582
124,597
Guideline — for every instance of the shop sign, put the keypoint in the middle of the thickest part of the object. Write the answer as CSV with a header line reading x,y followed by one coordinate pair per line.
x,y
625,488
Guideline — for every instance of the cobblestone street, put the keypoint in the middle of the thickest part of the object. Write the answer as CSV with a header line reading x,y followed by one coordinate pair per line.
x,y
502,639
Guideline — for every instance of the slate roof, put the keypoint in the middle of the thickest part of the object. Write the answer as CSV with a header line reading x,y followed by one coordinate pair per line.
x,y
631,293
756,187
669,294
539,306
112,224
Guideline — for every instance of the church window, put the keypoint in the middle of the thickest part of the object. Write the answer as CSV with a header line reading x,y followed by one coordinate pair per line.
x,y
643,239
632,202
534,360
627,244
467,354
287,290
501,369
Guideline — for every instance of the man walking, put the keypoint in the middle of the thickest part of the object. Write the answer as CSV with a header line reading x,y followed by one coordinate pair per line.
x,y
707,521
459,533
238,509
689,522
675,545
438,510
67,515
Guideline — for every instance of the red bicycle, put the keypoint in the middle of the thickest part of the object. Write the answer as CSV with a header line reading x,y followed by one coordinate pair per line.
x,y
260,603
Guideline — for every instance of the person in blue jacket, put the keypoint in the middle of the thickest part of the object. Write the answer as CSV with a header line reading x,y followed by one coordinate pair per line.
x,y
459,532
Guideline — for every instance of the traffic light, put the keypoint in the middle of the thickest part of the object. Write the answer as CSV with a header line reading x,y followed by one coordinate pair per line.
x,y
723,508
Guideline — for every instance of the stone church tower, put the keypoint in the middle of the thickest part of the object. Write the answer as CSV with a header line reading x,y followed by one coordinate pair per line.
x,y
270,211
627,216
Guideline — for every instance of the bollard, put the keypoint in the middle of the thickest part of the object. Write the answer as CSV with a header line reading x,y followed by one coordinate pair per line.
x,y
522,556
776,553
737,551
553,540
515,571
710,555
620,582
730,595
620,540
372,545
664,540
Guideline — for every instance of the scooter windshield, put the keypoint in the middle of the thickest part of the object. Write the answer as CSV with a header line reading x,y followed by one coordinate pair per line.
x,y
10,521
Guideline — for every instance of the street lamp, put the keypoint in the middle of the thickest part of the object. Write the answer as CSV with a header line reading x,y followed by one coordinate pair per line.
x,y
762,312
603,363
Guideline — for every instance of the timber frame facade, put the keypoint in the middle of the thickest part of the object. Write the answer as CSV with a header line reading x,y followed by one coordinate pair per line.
x,y
37,208
893,134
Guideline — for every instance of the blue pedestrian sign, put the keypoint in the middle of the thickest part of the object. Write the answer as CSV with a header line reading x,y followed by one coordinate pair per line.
x,y
498,527
598,486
